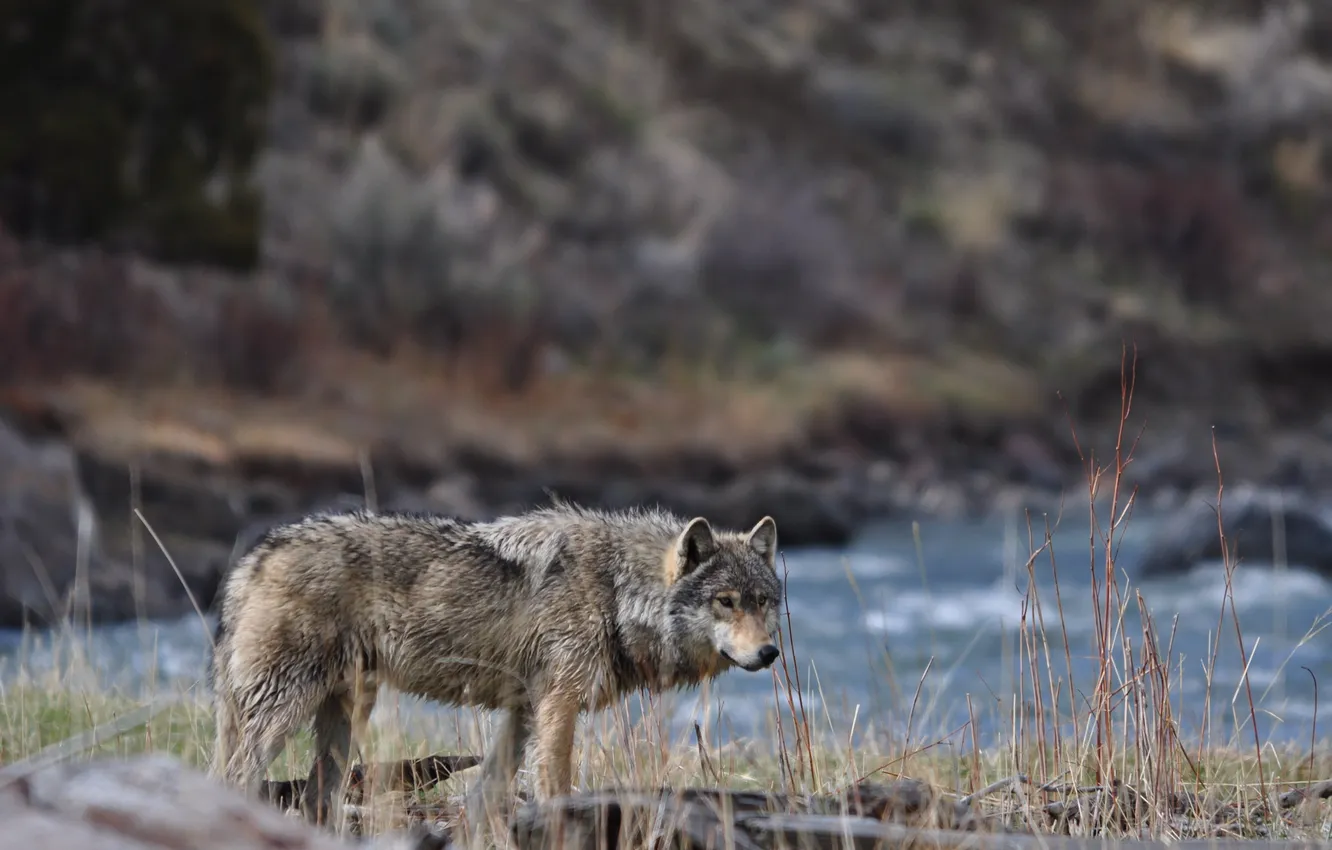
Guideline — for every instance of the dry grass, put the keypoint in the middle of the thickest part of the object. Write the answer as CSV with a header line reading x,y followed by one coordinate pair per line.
x,y
417,407
1119,731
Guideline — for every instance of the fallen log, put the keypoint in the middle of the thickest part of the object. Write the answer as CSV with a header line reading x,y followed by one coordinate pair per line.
x,y
602,821
830,832
710,819
587,821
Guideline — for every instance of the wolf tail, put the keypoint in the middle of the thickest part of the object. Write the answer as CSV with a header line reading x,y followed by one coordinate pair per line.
x,y
228,735
224,716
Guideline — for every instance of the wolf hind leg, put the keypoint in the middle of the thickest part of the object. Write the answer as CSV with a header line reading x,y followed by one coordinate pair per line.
x,y
332,739
271,706
340,725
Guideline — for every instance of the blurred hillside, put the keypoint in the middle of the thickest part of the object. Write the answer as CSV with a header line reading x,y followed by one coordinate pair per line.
x,y
825,258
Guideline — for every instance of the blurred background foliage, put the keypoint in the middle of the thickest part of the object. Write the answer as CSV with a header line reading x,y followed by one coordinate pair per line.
x,y
136,123
802,234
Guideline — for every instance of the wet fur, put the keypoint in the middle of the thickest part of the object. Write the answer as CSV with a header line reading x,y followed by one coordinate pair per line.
x,y
543,615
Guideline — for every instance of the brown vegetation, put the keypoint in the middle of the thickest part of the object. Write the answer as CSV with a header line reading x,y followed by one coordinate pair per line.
x,y
634,198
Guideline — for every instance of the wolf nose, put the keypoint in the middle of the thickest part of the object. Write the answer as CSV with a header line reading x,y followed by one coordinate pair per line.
x,y
768,654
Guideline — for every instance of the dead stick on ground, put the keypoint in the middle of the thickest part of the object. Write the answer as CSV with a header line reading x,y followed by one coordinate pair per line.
x,y
1009,782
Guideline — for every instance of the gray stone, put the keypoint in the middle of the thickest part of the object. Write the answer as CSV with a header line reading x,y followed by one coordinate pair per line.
x,y
1251,519
48,530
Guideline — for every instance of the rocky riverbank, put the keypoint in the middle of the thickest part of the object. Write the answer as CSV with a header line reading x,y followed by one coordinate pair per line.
x,y
88,505
71,503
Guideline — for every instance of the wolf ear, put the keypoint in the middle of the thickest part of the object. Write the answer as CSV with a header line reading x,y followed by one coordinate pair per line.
x,y
695,545
762,538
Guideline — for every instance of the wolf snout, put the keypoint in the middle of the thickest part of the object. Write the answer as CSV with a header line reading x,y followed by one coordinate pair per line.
x,y
768,654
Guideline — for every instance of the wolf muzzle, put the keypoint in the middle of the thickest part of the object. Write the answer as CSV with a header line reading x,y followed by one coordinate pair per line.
x,y
762,660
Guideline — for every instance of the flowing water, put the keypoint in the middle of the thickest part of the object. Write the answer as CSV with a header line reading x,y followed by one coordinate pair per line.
x,y
914,629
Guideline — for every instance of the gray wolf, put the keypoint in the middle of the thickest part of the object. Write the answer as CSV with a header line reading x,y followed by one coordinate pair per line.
x,y
542,615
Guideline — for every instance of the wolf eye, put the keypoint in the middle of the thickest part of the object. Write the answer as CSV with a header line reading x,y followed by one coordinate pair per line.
x,y
726,601
761,600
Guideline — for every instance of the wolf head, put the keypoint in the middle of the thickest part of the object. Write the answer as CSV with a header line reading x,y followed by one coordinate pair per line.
x,y
725,591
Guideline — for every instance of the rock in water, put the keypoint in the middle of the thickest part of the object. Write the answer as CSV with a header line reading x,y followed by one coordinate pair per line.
x,y
48,530
58,562
1255,524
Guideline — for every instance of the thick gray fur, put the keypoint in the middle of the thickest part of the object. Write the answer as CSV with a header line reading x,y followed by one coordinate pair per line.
x,y
543,615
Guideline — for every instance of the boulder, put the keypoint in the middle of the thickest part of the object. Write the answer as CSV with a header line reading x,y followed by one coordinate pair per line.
x,y
825,512
452,495
48,529
57,559
258,525
1252,520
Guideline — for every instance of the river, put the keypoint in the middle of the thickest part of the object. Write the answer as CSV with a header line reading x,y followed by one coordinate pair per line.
x,y
912,629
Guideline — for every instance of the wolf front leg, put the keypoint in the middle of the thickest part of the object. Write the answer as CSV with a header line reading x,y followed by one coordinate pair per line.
x,y
557,717
502,760
487,801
